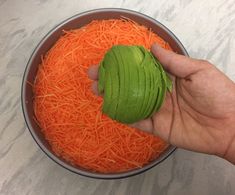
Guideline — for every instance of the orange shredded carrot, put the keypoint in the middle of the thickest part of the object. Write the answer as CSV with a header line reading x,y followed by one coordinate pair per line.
x,y
69,114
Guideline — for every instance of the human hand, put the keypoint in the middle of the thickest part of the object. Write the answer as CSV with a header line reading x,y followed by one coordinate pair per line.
x,y
199,114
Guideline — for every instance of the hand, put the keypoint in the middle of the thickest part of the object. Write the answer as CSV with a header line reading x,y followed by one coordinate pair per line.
x,y
199,114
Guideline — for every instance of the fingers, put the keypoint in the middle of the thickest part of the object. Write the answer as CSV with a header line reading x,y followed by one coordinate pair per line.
x,y
144,125
94,87
162,124
93,72
177,65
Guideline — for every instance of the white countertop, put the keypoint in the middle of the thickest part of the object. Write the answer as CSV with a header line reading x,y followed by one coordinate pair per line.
x,y
206,29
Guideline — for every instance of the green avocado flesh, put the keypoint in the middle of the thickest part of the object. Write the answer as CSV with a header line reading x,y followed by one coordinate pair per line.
x,y
133,82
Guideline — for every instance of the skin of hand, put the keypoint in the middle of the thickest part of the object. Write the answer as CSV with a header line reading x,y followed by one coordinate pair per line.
x,y
199,113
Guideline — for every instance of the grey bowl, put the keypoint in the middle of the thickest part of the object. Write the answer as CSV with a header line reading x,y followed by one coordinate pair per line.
x,y
47,42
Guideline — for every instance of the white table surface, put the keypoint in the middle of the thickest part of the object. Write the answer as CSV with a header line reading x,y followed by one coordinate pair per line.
x,y
207,30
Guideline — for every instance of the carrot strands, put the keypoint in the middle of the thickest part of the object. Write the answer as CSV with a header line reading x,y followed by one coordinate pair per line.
x,y
69,114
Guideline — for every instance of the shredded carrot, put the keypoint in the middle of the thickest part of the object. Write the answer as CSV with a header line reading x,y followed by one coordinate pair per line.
x,y
69,114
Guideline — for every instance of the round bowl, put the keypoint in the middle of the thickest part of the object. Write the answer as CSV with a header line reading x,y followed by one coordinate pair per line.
x,y
48,41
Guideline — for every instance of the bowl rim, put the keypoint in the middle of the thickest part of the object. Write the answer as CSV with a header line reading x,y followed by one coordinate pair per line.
x,y
26,115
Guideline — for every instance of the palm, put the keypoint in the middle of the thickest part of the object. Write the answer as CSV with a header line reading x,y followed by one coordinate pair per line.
x,y
193,113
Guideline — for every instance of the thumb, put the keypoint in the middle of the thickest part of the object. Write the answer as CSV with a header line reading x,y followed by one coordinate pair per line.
x,y
177,65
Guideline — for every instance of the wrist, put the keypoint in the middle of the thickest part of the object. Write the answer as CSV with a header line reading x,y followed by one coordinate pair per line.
x,y
226,141
229,154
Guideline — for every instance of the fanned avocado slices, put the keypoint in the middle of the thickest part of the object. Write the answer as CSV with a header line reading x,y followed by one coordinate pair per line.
x,y
133,82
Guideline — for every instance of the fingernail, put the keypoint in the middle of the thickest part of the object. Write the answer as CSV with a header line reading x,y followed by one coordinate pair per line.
x,y
155,47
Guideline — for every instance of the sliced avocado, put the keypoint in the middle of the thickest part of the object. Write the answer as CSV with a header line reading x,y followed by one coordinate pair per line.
x,y
156,93
162,90
149,87
114,82
165,76
154,73
123,84
134,83
125,111
158,100
131,105
144,75
161,97
142,83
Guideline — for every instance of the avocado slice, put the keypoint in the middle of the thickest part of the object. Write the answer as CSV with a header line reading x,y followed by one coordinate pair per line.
x,y
149,87
131,104
114,82
144,78
123,84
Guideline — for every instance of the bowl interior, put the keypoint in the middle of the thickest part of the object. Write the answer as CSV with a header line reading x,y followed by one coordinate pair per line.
x,y
48,41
